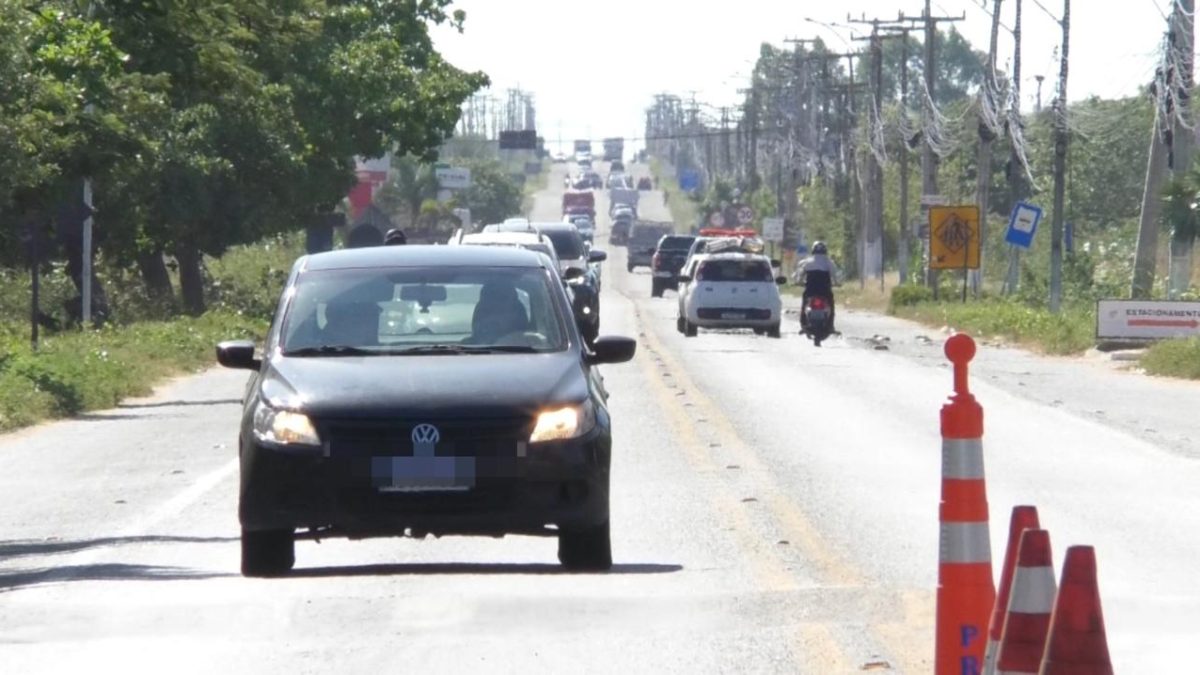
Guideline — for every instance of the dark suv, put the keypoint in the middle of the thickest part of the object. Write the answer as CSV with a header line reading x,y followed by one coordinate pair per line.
x,y
413,390
668,259
643,241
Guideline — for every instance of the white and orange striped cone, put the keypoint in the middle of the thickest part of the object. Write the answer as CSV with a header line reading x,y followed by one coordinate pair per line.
x,y
1023,518
966,591
1030,602
1077,643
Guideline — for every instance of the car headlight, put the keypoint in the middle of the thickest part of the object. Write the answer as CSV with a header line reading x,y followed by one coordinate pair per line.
x,y
283,427
563,424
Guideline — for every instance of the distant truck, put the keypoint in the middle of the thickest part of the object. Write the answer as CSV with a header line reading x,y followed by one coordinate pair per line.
x,y
579,203
614,149
623,196
583,147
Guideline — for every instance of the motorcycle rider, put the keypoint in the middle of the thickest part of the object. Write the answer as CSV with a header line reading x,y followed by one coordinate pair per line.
x,y
818,274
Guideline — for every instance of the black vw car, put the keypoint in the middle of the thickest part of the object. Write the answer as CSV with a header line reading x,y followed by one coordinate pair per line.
x,y
413,390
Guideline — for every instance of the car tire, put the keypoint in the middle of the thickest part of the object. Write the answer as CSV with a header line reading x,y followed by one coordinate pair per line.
x,y
268,553
760,331
690,329
629,267
586,550
680,324
656,289
774,332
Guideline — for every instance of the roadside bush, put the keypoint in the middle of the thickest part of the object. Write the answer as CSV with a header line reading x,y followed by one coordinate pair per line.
x,y
1174,358
907,295
247,280
73,372
1070,332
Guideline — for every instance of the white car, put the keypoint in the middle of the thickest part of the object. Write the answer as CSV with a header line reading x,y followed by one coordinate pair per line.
x,y
534,241
729,290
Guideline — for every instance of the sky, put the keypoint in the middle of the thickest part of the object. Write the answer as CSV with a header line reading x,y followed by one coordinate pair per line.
x,y
594,68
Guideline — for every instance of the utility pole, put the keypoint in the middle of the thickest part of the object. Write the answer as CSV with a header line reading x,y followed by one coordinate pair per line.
x,y
1038,105
1146,258
989,126
929,160
1016,178
870,238
1183,140
1060,166
726,154
902,254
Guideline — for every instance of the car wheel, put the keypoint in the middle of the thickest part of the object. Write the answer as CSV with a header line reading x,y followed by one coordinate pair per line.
x,y
629,267
267,553
774,332
588,549
680,324
690,329
656,289
760,331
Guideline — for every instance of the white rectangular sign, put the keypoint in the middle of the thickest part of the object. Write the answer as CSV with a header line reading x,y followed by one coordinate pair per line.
x,y
453,177
773,229
1147,319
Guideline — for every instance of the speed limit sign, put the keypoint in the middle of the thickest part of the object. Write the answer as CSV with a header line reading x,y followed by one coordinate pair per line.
x,y
745,215
716,219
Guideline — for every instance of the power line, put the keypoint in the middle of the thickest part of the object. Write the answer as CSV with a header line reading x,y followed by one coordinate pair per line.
x,y
1048,12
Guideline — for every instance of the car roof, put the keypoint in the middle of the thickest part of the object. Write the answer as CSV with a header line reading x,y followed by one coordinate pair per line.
x,y
502,237
422,256
734,255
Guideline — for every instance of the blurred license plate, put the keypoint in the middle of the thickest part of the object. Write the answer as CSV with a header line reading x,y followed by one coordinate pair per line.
x,y
423,474
733,315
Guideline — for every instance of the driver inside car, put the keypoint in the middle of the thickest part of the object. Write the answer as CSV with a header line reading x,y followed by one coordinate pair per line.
x,y
351,323
498,313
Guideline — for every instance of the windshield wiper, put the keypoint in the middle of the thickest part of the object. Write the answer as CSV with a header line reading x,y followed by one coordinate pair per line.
x,y
464,349
329,350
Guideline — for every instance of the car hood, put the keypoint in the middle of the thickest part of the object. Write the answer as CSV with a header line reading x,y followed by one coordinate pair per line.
x,y
481,385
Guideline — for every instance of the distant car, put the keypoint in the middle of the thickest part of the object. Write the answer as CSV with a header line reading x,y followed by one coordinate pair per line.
x,y
575,259
644,183
669,256
729,290
383,405
558,158
530,240
616,165
643,240
588,180
585,225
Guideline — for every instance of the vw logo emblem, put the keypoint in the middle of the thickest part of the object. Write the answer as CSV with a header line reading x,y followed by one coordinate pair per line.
x,y
425,434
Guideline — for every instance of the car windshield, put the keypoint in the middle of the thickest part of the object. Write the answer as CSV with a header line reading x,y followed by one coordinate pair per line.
x,y
422,310
648,234
734,270
567,243
676,243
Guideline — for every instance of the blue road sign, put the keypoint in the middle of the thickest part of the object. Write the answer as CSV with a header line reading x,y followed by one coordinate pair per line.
x,y
689,180
1022,225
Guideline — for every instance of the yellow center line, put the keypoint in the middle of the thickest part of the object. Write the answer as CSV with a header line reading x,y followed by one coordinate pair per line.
x,y
908,638
814,649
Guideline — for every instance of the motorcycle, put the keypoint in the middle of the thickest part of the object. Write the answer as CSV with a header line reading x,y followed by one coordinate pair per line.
x,y
816,319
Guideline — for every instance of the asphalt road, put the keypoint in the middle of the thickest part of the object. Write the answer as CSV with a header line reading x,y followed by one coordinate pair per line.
x,y
774,510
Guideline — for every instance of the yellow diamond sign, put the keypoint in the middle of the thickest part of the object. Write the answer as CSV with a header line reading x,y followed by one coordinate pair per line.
x,y
953,237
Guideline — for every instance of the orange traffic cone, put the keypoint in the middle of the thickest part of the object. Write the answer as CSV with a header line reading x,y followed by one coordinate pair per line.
x,y
1077,644
966,592
1029,605
1023,518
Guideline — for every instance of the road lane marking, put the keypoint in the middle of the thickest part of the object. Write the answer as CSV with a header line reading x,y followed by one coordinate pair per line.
x,y
834,569
76,563
814,647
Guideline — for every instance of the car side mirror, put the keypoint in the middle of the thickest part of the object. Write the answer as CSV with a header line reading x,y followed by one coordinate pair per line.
x,y
238,354
612,350
596,255
781,280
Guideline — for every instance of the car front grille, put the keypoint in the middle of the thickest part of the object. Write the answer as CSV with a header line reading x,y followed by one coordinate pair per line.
x,y
494,438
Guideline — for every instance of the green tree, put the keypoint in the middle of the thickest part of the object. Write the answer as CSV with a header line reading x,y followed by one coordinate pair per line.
x,y
493,195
